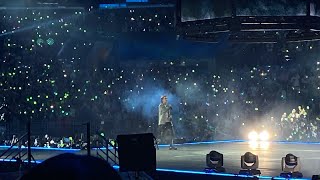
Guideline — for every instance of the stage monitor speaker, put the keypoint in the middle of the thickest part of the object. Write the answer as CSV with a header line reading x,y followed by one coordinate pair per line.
x,y
137,152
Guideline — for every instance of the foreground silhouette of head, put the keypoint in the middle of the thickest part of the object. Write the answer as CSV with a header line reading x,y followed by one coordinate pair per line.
x,y
71,166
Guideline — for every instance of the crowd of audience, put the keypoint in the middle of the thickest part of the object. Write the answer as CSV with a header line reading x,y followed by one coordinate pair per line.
x,y
46,141
46,77
160,19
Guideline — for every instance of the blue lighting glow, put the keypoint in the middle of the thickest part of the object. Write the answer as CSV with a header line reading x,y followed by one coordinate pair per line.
x,y
13,160
110,148
237,141
112,6
137,1
204,142
215,142
42,148
161,145
289,142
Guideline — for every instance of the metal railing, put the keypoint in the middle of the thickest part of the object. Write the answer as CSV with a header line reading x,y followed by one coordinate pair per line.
x,y
17,154
110,154
11,149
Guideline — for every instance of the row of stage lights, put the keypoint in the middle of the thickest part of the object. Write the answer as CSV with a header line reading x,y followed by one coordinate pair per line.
x,y
290,164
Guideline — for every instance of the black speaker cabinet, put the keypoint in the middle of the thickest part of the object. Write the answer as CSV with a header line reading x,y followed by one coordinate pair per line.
x,y
137,152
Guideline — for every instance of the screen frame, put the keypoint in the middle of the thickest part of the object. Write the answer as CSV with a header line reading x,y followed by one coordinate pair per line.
x,y
233,11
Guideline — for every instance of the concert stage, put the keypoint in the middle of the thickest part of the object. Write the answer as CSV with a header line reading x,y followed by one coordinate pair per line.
x,y
191,156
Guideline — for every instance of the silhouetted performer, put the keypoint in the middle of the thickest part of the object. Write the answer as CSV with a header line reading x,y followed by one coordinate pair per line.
x,y
165,128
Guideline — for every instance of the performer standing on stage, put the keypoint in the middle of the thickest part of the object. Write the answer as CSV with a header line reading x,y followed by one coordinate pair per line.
x,y
165,128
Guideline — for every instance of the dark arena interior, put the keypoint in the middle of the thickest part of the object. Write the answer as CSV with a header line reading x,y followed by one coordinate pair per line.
x,y
159,89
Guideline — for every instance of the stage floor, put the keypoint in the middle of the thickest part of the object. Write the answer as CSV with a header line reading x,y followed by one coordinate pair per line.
x,y
192,156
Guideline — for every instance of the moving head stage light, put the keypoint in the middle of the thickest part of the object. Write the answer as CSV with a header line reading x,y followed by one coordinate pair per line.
x,y
315,177
214,162
249,164
291,167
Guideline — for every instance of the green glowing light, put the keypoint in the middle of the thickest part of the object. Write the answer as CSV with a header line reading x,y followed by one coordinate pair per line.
x,y
66,95
40,42
50,41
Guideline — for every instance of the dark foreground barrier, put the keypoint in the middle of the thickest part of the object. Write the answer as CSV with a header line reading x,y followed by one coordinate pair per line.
x,y
9,166
10,176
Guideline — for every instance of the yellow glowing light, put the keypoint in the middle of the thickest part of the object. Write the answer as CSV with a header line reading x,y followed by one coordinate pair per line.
x,y
253,136
264,145
253,145
264,136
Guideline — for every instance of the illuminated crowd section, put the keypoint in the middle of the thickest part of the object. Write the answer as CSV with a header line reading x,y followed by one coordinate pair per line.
x,y
54,73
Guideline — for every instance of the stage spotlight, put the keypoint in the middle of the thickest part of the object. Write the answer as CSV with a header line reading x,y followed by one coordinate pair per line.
x,y
253,136
249,164
214,162
315,177
264,136
264,145
253,145
291,167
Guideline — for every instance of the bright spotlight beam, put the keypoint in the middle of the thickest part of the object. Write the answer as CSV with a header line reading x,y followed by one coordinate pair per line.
x,y
253,136
264,136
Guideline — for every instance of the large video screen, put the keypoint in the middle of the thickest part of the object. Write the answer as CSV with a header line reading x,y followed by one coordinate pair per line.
x,y
315,8
271,7
204,9
209,9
